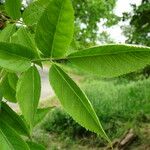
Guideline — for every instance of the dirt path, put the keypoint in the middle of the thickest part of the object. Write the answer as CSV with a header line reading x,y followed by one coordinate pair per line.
x,y
46,90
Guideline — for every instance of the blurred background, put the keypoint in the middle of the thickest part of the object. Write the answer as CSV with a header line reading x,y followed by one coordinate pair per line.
x,y
123,103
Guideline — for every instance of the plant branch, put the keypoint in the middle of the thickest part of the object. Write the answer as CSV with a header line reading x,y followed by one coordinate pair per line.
x,y
50,59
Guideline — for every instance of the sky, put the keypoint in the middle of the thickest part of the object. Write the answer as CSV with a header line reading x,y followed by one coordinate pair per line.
x,y
124,5
121,6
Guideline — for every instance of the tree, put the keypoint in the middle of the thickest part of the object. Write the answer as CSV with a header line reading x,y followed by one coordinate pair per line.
x,y
138,31
20,54
87,16
86,24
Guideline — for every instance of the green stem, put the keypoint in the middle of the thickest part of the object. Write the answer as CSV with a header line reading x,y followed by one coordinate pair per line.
x,y
7,18
50,59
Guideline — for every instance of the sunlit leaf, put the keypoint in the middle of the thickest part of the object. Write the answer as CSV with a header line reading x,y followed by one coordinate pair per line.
x,y
23,37
34,11
111,60
74,101
28,94
55,28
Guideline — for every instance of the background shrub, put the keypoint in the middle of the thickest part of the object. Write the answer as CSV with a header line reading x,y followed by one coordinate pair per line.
x,y
119,104
120,100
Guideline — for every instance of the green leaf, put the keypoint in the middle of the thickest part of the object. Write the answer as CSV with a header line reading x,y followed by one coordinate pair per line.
x,y
7,32
28,94
34,11
1,75
111,60
7,91
12,79
74,101
40,114
35,146
15,57
1,97
55,28
13,8
13,119
2,72
9,139
23,37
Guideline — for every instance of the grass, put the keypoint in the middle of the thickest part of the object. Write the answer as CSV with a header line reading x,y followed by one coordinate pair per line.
x,y
124,100
120,105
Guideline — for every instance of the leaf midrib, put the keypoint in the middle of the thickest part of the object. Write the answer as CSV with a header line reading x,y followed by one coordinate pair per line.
x,y
59,17
7,111
33,90
10,145
77,96
93,55
9,53
27,17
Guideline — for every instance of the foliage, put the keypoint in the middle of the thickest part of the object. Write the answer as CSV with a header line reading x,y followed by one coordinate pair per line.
x,y
130,101
86,24
10,5
58,121
32,77
128,98
137,32
55,39
87,16
139,28
51,41
101,60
